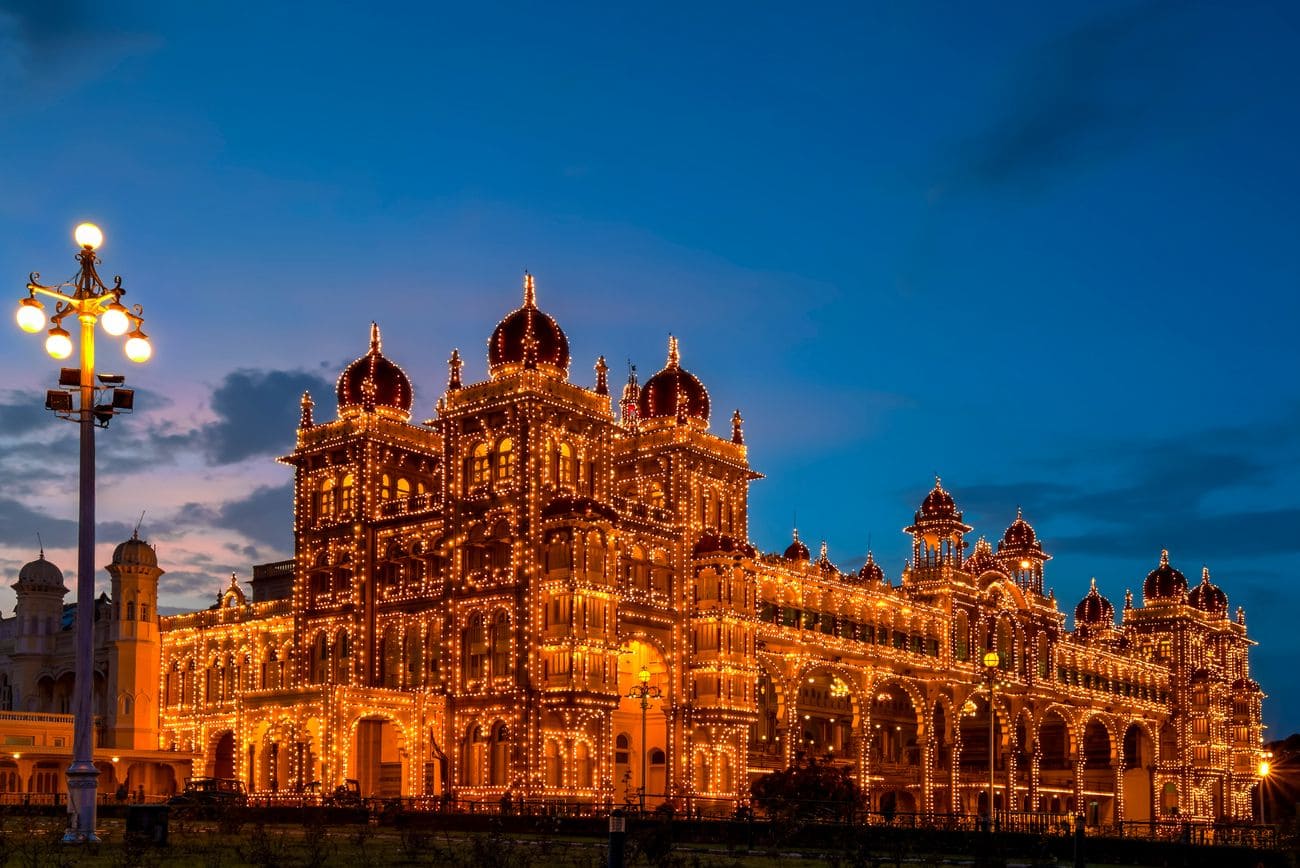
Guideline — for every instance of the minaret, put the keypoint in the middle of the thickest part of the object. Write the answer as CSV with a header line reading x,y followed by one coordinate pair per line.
x,y
134,647
454,364
305,420
628,404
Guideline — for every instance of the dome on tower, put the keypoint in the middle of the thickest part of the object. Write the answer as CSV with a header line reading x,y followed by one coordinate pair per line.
x,y
1094,611
528,338
1164,583
135,551
797,551
1019,535
938,504
1208,597
40,573
871,571
674,393
372,382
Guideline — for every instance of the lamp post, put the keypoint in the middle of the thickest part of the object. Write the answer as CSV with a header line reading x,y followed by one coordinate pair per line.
x,y
88,299
991,661
644,692
1264,768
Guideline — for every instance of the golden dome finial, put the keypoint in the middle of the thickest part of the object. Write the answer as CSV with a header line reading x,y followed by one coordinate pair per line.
x,y
674,357
1164,557
375,342
530,291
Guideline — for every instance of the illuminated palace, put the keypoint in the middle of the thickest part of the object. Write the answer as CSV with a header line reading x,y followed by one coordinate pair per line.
x,y
473,598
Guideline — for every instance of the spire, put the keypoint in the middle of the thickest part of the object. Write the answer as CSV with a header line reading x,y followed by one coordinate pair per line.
x,y
1164,557
40,544
1019,515
304,420
1093,589
1205,574
823,555
674,357
602,376
375,343
1241,616
737,435
631,394
530,292
454,364
1128,598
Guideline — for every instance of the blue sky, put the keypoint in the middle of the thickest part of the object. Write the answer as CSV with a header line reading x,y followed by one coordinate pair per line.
x,y
1048,252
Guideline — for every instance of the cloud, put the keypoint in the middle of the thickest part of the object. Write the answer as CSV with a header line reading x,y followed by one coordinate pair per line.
x,y
22,412
63,43
257,413
1083,98
265,516
19,525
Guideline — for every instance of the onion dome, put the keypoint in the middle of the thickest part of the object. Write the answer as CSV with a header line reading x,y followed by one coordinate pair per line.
x,y
871,571
528,339
711,544
40,575
674,393
1164,583
1020,534
374,384
1094,611
981,560
938,504
1209,597
135,552
797,551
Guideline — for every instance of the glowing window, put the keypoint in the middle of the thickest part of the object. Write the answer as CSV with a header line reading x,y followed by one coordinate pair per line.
x,y
403,487
385,487
505,458
325,499
347,494
656,495
479,465
567,471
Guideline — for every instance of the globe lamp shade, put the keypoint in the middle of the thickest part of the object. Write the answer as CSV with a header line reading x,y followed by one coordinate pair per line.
x,y
115,320
138,348
31,316
59,343
992,659
88,235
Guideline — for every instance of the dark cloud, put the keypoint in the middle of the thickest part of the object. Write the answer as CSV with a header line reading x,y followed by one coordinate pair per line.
x,y
22,413
66,42
19,525
257,413
1081,99
265,516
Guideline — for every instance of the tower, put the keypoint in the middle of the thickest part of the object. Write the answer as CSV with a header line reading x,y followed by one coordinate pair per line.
x,y
39,611
134,646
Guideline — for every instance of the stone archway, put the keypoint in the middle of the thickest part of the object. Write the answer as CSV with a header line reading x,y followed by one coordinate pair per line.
x,y
221,756
377,759
636,753
1055,763
1099,773
894,752
1139,774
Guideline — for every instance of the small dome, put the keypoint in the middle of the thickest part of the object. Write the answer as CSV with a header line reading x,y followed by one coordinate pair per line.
x,y
981,560
135,551
1019,535
674,393
1209,597
1094,611
871,571
824,562
1164,583
797,551
372,382
528,338
938,504
40,573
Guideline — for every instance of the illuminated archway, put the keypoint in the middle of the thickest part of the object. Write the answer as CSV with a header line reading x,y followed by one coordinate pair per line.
x,y
1139,773
377,759
638,655
894,751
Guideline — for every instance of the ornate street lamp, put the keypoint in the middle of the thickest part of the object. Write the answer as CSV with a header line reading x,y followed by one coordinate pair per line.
x,y
86,298
1264,768
645,692
992,660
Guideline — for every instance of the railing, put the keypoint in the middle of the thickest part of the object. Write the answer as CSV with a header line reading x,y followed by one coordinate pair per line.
x,y
36,717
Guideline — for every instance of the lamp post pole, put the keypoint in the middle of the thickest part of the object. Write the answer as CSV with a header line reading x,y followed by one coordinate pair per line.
x,y
643,692
89,300
991,662
1264,769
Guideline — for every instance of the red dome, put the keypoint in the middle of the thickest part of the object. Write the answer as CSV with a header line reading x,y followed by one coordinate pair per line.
x,y
1094,611
674,393
1164,583
797,551
938,504
374,383
528,338
1019,534
871,571
1209,597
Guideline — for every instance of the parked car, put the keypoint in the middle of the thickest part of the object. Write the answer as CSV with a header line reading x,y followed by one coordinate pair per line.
x,y
210,792
345,795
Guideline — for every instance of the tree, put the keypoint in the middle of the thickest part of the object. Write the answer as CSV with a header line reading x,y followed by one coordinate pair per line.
x,y
810,789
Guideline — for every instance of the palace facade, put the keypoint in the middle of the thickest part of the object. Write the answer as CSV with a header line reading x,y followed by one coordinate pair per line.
x,y
473,599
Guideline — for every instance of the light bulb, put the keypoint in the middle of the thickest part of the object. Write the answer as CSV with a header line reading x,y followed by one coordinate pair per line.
x,y
115,320
88,235
59,343
31,316
138,348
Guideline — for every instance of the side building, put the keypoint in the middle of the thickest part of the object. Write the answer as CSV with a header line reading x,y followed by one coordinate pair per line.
x,y
475,600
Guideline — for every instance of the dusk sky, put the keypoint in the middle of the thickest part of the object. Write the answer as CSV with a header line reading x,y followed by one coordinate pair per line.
x,y
1047,253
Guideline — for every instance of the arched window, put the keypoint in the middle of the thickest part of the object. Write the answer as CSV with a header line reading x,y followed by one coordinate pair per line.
x,y
341,652
595,554
325,499
582,764
385,487
390,657
499,771
348,494
479,465
505,459
567,466
622,746
558,553
403,487
961,637
661,572
553,769
656,494
474,650
638,568
500,645
475,757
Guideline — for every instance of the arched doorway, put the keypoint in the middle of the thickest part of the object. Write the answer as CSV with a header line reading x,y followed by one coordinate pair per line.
x,y
377,758
977,716
627,727
1055,764
893,753
221,755
1139,773
824,718
942,782
766,750
1098,774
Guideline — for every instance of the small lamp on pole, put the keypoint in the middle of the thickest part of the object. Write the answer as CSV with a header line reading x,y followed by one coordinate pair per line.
x,y
992,660
644,692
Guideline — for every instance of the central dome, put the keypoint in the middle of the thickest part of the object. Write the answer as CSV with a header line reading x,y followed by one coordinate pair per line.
x,y
373,383
1164,583
674,393
1094,611
528,339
